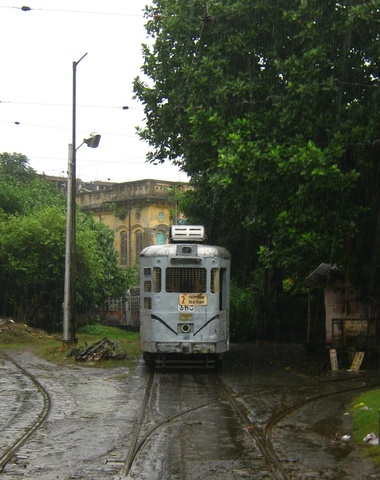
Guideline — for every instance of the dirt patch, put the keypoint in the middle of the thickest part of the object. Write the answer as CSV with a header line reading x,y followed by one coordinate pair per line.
x,y
13,332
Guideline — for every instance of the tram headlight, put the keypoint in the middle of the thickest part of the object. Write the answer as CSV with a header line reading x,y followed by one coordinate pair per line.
x,y
185,327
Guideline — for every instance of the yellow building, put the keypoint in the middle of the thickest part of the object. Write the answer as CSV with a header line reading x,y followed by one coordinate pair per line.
x,y
140,213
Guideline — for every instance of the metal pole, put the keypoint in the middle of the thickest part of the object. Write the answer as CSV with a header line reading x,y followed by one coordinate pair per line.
x,y
73,216
66,300
70,280
73,338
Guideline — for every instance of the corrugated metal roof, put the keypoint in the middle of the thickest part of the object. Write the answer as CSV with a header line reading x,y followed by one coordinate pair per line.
x,y
321,275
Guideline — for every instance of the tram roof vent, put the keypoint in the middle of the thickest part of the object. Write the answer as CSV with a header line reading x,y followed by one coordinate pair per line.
x,y
187,233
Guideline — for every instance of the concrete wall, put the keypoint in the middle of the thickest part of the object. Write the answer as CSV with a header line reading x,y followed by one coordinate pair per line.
x,y
342,302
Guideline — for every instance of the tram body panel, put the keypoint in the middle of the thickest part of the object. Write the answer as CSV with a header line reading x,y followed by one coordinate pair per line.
x,y
185,299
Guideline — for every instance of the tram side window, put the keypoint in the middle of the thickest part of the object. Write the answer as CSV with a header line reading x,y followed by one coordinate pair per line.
x,y
147,303
185,280
157,282
214,280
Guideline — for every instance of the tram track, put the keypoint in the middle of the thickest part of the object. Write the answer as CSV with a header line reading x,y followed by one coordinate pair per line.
x,y
21,425
268,453
277,418
261,433
223,394
138,440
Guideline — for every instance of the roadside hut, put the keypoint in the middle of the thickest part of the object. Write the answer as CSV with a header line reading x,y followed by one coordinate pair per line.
x,y
348,320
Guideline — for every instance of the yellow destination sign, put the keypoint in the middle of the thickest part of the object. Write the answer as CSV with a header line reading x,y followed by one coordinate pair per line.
x,y
193,299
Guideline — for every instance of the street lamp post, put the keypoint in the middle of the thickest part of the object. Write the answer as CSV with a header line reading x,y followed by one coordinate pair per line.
x,y
69,302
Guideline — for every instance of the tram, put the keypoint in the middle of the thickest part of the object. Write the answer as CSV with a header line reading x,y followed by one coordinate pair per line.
x,y
185,293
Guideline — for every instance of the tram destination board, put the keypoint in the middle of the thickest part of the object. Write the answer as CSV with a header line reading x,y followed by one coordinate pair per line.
x,y
192,299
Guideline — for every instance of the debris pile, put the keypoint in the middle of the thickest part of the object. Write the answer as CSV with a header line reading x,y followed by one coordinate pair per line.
x,y
102,350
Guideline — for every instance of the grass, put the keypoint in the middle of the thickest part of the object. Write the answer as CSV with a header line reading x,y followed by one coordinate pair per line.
x,y
51,348
365,420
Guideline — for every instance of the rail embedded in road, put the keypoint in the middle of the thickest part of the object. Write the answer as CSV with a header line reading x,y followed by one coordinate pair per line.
x,y
29,409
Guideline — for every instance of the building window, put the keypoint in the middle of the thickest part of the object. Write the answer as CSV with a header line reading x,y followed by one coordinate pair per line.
x,y
123,248
138,237
161,216
160,237
138,215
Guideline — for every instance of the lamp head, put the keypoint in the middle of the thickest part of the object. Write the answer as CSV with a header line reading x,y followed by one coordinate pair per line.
x,y
93,140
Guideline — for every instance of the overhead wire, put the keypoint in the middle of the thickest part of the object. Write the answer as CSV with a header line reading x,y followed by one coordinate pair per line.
x,y
60,128
29,9
131,161
44,104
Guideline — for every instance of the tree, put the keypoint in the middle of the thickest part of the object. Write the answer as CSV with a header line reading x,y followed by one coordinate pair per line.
x,y
32,250
21,189
272,108
32,262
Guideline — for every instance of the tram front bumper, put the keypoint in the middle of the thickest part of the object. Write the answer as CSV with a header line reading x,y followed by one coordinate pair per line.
x,y
185,347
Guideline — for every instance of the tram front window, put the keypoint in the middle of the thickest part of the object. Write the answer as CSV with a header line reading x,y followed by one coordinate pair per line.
x,y
185,280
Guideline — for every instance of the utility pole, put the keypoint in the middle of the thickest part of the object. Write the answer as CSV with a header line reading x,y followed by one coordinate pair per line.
x,y
68,251
69,302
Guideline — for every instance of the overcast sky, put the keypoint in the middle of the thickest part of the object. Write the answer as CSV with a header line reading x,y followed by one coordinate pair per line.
x,y
38,48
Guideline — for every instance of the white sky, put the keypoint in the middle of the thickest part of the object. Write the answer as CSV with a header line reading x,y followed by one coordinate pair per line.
x,y
37,51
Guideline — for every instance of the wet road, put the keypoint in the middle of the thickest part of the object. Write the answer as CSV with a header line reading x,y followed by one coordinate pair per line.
x,y
199,431
278,388
88,431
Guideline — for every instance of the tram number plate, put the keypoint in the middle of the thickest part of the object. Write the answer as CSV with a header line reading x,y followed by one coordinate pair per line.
x,y
185,308
192,299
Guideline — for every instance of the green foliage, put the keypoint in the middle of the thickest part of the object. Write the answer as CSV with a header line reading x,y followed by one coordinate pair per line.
x,y
21,189
31,259
95,329
272,109
32,250
244,325
98,274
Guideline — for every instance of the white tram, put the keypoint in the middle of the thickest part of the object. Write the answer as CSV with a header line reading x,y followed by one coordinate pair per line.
x,y
185,290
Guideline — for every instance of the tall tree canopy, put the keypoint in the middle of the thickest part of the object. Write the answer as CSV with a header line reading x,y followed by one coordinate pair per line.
x,y
32,249
272,108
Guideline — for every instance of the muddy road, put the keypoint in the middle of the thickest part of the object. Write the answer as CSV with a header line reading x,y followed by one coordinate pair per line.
x,y
268,414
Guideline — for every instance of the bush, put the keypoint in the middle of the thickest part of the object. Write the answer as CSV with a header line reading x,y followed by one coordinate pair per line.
x,y
94,329
243,323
